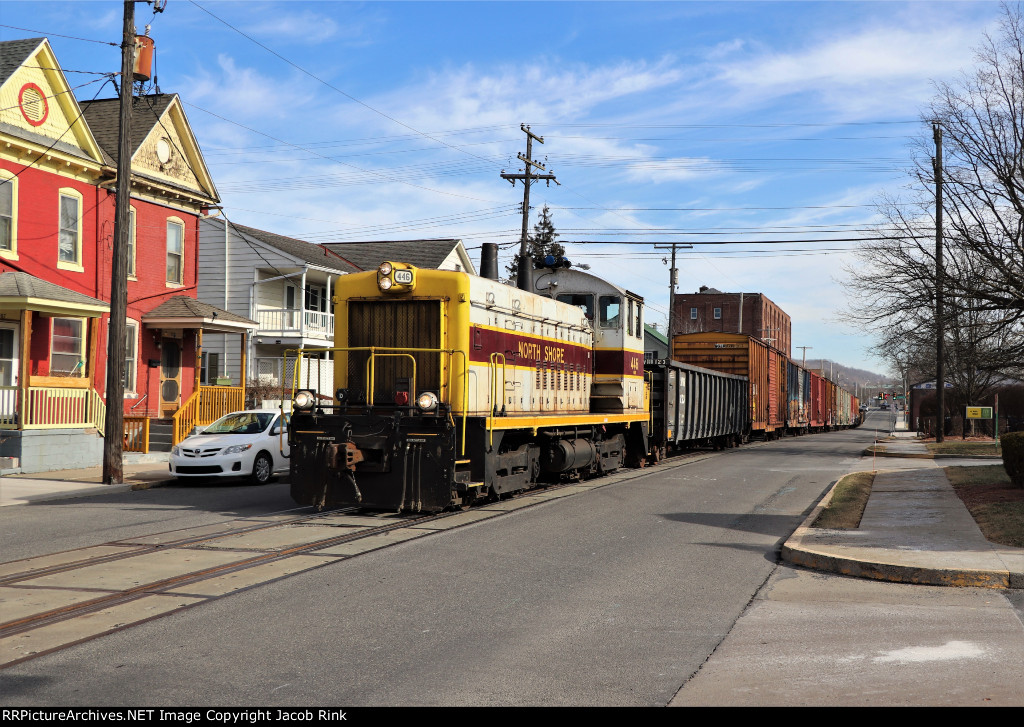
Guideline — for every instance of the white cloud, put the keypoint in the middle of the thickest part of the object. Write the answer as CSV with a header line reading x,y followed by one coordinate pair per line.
x,y
859,71
243,93
307,26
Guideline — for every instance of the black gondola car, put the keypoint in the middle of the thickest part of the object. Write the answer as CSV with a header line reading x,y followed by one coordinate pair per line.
x,y
693,406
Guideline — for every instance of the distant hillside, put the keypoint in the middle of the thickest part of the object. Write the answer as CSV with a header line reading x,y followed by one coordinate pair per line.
x,y
847,376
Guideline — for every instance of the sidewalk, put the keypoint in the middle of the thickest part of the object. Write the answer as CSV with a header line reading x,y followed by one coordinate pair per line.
x,y
25,488
915,529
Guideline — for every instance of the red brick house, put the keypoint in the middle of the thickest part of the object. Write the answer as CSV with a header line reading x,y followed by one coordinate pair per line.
x,y
750,313
58,160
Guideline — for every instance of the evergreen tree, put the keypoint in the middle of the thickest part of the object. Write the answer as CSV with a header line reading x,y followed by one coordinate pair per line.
x,y
540,244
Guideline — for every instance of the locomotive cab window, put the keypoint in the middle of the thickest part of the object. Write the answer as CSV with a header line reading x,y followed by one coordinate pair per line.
x,y
609,306
581,300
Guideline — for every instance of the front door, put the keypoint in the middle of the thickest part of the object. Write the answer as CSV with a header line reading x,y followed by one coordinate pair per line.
x,y
170,376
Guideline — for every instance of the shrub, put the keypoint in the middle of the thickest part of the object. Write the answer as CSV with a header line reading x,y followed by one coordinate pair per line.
x,y
1013,456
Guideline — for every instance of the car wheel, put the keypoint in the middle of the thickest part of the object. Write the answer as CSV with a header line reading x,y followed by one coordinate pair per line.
x,y
262,469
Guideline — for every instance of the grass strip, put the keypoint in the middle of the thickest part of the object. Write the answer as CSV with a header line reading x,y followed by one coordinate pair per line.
x,y
849,498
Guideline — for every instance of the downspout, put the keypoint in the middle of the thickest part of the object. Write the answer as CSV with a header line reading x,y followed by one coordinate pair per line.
x,y
227,282
302,305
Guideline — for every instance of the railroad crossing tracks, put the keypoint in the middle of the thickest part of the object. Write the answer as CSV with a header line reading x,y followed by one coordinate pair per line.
x,y
54,601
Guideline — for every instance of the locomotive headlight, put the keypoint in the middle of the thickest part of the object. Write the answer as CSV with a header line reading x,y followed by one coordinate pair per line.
x,y
427,401
304,400
384,283
385,268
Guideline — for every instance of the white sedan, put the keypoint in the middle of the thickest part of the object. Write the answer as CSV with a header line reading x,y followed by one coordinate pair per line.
x,y
251,444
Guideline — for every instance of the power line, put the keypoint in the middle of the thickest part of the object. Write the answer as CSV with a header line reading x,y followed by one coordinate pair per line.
x,y
332,159
58,35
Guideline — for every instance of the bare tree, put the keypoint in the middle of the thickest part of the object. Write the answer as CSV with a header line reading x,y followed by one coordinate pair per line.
x,y
892,290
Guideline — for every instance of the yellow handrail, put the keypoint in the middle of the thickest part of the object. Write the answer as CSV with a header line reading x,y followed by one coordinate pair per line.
x,y
371,370
206,405
372,350
494,393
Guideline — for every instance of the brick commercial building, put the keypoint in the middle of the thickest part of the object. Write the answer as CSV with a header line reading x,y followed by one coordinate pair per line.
x,y
750,313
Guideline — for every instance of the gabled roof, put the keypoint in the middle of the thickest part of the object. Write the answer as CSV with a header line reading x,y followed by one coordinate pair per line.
x,y
13,53
29,292
153,116
182,311
353,257
33,61
655,334
421,253
103,116
305,251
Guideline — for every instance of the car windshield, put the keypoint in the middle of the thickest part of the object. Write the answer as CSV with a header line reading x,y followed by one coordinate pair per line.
x,y
243,422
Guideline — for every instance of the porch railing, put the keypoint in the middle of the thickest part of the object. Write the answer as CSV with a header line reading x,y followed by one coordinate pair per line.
x,y
49,407
136,434
295,322
207,405
316,374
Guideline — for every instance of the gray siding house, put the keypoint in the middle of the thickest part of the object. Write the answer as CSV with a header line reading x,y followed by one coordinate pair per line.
x,y
286,286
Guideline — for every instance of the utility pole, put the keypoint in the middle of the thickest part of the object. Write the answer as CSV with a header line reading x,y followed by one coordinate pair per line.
x,y
673,281
527,178
940,382
803,360
113,440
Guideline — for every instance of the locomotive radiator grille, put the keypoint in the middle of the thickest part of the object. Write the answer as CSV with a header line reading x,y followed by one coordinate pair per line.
x,y
396,324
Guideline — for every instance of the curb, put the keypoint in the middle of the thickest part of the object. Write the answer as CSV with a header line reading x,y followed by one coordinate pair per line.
x,y
871,452
149,484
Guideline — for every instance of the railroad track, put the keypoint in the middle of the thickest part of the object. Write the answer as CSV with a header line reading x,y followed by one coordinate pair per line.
x,y
54,601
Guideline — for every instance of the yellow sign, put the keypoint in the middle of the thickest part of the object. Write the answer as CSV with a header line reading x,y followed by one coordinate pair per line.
x,y
979,412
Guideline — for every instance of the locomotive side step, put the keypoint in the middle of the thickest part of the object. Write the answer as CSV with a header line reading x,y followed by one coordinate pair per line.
x,y
462,473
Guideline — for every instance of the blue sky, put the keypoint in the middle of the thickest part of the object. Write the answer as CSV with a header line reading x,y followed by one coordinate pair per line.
x,y
689,122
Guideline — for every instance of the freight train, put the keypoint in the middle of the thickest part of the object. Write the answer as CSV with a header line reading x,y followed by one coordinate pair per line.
x,y
452,388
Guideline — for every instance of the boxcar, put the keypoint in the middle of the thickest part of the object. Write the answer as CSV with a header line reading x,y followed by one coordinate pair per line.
x,y
742,355
798,398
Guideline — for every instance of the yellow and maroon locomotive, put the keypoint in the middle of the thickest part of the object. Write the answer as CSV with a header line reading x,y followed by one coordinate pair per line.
x,y
450,387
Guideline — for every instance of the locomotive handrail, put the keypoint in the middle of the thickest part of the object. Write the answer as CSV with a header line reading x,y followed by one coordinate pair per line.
x,y
494,381
300,352
371,370
494,393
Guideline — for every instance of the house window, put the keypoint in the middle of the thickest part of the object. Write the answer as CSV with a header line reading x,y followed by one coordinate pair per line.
x,y
8,214
209,368
67,347
718,313
316,298
69,243
131,243
693,314
8,359
175,251
131,358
